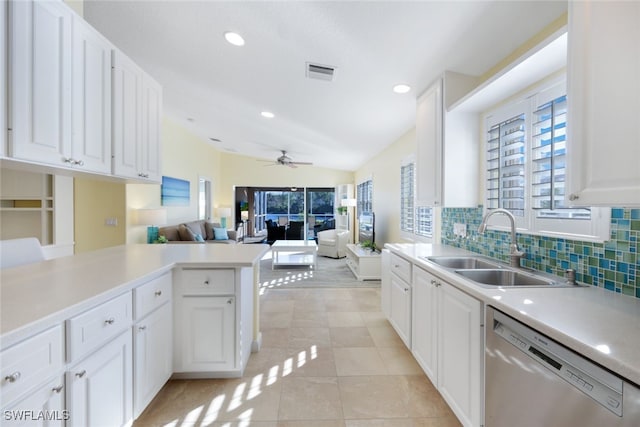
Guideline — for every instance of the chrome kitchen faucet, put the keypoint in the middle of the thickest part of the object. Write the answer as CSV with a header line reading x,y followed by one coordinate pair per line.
x,y
514,253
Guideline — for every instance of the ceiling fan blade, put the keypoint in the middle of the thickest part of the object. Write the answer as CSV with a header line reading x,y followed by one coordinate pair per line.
x,y
292,165
301,163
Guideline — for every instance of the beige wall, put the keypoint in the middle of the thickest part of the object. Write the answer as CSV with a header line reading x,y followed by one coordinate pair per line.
x,y
184,156
94,202
384,169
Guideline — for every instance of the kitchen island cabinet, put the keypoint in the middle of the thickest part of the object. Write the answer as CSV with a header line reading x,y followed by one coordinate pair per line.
x,y
91,295
603,94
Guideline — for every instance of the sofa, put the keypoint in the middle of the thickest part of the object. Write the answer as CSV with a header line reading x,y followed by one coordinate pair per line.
x,y
200,231
333,243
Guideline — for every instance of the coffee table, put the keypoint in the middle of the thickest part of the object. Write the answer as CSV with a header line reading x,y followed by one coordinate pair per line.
x,y
294,252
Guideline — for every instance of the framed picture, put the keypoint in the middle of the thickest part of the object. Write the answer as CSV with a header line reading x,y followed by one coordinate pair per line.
x,y
174,192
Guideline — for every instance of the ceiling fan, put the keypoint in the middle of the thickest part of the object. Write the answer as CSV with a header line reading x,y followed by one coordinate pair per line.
x,y
285,160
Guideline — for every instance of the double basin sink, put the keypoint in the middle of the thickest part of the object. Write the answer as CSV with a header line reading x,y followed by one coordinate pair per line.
x,y
487,273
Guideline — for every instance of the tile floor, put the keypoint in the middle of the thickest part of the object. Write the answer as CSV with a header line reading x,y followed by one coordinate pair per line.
x,y
329,359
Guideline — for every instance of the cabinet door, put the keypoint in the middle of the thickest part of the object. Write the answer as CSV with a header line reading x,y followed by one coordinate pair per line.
x,y
603,100
100,387
40,105
385,283
150,155
429,146
153,362
127,115
424,339
47,399
91,98
460,353
401,308
208,333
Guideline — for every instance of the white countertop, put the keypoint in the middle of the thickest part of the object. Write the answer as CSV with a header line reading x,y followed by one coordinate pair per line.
x,y
35,296
601,325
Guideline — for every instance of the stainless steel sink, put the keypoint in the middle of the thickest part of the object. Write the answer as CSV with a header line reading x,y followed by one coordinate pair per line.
x,y
505,277
463,262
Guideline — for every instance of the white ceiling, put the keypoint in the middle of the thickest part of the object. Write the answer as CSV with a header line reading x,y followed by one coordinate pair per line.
x,y
217,90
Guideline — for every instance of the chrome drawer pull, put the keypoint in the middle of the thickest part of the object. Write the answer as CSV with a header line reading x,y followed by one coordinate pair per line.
x,y
158,293
230,301
110,321
206,282
142,328
13,377
57,389
81,374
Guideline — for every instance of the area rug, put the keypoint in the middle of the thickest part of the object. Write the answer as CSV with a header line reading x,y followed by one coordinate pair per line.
x,y
330,273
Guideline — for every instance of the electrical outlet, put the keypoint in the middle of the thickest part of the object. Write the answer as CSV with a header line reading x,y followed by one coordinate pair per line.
x,y
111,222
460,230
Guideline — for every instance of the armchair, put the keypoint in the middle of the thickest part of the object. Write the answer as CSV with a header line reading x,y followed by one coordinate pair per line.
x,y
333,243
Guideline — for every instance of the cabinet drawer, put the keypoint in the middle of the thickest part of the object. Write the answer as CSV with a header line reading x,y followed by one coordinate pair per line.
x,y
401,267
94,327
208,282
152,295
30,362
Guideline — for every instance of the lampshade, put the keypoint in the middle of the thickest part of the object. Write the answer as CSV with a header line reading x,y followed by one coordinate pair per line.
x,y
348,202
223,212
244,215
151,216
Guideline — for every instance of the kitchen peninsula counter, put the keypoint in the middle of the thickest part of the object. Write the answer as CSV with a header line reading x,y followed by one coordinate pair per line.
x,y
35,296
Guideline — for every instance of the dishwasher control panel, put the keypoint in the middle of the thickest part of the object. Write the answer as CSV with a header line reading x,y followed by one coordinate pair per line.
x,y
583,374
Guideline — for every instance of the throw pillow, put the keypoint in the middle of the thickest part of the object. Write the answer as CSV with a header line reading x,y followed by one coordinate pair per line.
x,y
199,238
186,234
220,233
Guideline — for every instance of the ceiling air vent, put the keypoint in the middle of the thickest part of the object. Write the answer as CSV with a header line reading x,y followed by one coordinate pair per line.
x,y
320,72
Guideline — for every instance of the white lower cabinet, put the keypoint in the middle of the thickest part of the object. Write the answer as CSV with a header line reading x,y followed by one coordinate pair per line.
x,y
100,388
447,342
460,353
400,296
44,407
213,321
153,361
208,339
424,337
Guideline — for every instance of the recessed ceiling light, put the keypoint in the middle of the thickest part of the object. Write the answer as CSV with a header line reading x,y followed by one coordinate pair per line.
x,y
268,114
401,88
234,38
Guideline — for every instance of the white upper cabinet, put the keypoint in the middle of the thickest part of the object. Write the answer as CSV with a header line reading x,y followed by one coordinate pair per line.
x,y
40,79
137,110
61,105
91,98
603,96
447,146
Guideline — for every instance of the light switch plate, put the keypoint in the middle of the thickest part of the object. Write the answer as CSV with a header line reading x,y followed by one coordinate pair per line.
x,y
460,230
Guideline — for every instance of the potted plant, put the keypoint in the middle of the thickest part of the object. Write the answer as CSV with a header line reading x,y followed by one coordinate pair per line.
x,y
368,244
342,210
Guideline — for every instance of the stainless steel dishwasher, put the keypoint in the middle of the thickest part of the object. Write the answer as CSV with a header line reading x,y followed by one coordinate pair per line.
x,y
531,380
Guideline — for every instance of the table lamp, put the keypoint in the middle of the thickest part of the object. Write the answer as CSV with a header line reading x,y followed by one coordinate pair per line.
x,y
223,213
152,218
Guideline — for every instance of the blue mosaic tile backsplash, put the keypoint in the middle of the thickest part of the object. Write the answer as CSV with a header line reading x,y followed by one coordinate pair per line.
x,y
613,265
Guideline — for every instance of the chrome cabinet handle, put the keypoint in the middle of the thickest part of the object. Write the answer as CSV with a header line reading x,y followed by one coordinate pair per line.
x,y
158,293
81,373
13,377
78,162
574,197
206,282
110,321
230,301
57,389
142,328
67,160
433,282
